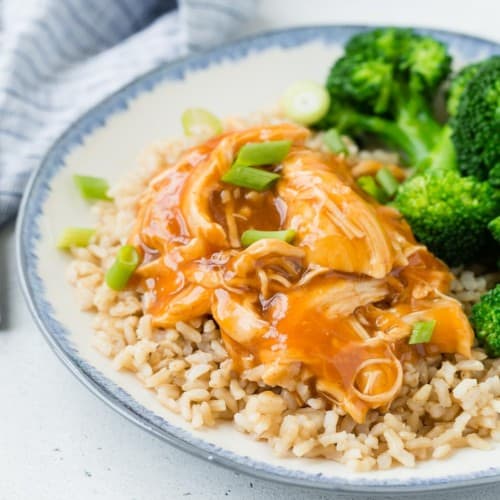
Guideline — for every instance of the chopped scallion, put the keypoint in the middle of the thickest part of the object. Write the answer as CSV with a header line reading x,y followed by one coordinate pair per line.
x,y
422,331
92,188
252,235
249,177
75,237
334,142
387,181
199,121
306,102
369,186
126,262
263,153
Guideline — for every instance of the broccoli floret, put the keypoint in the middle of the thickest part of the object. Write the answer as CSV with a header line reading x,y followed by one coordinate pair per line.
x,y
449,213
494,176
443,156
457,86
494,227
476,124
417,60
423,61
384,43
427,62
391,74
366,83
485,319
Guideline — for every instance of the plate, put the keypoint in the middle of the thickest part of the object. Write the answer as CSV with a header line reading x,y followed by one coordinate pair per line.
x,y
234,79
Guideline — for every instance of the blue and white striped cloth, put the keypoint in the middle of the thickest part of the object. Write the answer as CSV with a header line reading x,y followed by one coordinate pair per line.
x,y
62,56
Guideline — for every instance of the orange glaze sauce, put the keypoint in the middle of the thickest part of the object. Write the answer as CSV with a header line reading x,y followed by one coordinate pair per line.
x,y
344,319
250,209
333,351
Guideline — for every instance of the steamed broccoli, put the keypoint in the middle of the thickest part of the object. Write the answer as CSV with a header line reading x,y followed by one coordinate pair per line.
x,y
386,43
385,85
457,86
449,213
485,319
367,82
443,156
494,227
476,124
494,176
420,60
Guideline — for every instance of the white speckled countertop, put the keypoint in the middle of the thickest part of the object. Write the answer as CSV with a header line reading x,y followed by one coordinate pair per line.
x,y
58,441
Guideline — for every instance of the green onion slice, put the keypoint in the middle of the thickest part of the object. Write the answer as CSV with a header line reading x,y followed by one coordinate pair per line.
x,y
306,102
75,237
387,181
252,235
334,142
249,177
126,262
263,153
422,331
92,188
368,185
199,121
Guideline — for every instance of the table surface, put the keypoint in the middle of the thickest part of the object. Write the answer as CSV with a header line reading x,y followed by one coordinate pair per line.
x,y
58,441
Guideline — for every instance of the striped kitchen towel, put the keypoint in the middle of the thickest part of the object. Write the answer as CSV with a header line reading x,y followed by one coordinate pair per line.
x,y
59,57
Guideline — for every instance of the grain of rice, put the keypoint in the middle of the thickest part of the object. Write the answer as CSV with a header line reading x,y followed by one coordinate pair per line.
x,y
124,359
461,422
304,447
330,421
441,388
393,422
160,377
418,442
384,461
461,390
209,326
316,403
197,371
171,391
423,394
206,412
236,391
188,332
447,372
223,394
475,441
469,365
396,449
442,451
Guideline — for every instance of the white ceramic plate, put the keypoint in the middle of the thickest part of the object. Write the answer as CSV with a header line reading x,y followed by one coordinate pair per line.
x,y
235,79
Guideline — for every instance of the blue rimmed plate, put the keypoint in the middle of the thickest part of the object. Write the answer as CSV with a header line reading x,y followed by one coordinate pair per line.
x,y
234,79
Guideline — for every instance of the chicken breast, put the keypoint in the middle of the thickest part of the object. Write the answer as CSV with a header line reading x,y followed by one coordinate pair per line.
x,y
335,224
334,308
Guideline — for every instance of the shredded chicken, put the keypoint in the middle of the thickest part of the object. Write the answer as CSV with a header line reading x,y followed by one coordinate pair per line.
x,y
340,302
